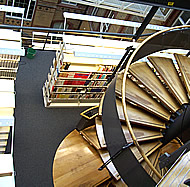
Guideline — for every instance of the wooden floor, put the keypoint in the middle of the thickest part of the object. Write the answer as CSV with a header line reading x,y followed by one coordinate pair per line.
x,y
76,163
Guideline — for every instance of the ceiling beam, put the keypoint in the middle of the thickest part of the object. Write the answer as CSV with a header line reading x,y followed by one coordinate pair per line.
x,y
145,22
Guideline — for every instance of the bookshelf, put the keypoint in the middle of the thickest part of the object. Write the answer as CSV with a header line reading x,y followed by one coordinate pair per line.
x,y
76,80
9,66
10,51
8,69
7,105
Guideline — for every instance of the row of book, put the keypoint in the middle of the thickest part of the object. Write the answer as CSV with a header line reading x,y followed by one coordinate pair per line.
x,y
10,57
74,81
81,84
8,64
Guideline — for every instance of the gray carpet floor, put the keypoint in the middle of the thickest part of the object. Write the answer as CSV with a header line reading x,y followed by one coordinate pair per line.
x,y
38,130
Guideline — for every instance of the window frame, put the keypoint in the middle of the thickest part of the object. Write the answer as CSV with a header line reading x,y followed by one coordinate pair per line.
x,y
24,17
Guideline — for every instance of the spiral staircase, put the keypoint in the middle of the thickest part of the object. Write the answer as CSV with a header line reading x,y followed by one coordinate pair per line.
x,y
144,114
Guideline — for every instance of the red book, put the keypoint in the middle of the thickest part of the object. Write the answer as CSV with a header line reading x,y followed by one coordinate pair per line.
x,y
82,76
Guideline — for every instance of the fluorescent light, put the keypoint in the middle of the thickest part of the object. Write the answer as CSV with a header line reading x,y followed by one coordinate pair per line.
x,y
97,55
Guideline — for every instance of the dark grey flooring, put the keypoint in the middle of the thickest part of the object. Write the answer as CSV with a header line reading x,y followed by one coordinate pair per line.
x,y
38,130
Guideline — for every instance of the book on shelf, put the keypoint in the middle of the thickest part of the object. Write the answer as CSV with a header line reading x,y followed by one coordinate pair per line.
x,y
66,82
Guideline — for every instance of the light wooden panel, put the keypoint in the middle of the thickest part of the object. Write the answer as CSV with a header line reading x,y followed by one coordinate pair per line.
x,y
90,135
167,71
184,66
139,116
76,163
144,74
138,96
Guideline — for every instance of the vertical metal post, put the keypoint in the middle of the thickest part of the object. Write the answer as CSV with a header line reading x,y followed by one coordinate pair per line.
x,y
28,9
45,41
65,22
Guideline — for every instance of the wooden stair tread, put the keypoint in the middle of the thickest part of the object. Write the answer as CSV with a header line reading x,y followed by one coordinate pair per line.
x,y
4,130
184,66
90,135
142,72
76,163
167,71
148,148
138,96
141,134
139,116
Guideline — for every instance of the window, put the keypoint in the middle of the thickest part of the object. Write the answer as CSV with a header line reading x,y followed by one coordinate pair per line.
x,y
58,25
68,2
29,6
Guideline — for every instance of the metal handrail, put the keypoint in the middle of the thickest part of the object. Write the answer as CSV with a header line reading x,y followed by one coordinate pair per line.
x,y
124,101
